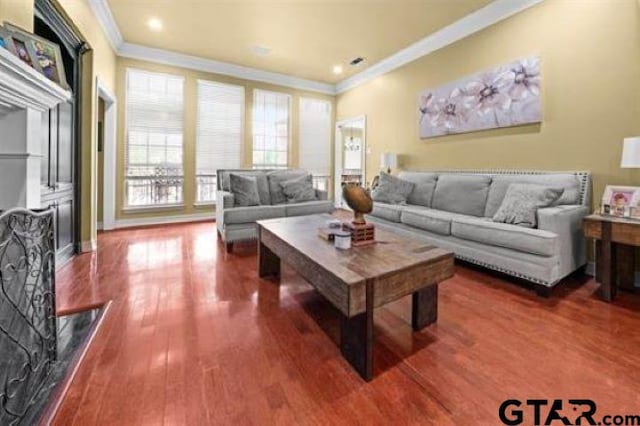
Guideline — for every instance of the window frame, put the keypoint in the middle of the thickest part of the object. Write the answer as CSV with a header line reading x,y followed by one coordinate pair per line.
x,y
243,114
126,207
289,130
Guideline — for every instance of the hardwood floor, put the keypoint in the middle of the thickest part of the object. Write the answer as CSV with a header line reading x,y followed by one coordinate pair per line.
x,y
193,336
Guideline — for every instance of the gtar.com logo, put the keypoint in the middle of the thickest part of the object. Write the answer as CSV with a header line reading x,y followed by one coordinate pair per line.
x,y
539,412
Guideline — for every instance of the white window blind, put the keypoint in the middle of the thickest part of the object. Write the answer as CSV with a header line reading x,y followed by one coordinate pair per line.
x,y
315,139
270,129
219,134
153,155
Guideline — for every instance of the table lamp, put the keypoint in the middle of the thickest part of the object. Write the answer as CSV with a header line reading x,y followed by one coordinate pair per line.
x,y
389,160
630,153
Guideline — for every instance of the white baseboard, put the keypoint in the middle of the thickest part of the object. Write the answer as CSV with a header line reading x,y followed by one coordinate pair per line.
x,y
88,246
163,220
591,270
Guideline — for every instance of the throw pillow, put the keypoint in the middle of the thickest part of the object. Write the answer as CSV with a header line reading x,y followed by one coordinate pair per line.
x,y
522,201
244,190
392,190
299,189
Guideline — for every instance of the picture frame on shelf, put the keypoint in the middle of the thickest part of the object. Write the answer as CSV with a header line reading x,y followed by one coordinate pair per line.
x,y
24,50
621,201
6,42
46,56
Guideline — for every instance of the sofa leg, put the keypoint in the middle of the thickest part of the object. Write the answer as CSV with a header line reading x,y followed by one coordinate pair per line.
x,y
228,247
543,291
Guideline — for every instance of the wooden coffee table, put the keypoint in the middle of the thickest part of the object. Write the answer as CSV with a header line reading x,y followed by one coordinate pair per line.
x,y
358,280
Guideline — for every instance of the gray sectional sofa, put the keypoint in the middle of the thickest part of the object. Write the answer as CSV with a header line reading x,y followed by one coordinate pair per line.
x,y
454,210
239,223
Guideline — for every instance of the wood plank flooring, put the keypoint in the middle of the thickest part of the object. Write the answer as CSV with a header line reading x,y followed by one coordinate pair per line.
x,y
194,337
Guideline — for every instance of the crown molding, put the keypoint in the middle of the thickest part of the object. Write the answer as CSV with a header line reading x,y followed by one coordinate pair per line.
x,y
161,56
492,13
103,12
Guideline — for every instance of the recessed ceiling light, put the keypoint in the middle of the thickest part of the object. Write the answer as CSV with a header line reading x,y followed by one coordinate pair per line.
x,y
154,24
337,69
260,50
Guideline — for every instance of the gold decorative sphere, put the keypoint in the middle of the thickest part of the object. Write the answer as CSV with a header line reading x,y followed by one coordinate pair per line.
x,y
359,200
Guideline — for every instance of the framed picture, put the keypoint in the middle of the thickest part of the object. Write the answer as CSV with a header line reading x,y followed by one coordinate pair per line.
x,y
45,55
623,201
6,42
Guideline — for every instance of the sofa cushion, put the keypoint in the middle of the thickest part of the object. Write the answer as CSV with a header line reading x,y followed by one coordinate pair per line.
x,y
298,190
425,184
522,201
500,184
278,176
309,207
251,214
534,241
244,190
459,193
392,189
386,211
428,219
261,180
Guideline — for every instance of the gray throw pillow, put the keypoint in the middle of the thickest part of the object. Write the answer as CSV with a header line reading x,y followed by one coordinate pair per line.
x,y
422,194
522,201
299,189
392,190
244,190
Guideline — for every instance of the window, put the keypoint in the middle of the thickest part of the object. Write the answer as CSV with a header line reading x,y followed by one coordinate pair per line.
x,y
219,134
270,129
315,140
153,156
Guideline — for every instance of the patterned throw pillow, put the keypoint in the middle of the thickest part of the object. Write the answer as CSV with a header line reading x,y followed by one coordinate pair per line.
x,y
522,201
392,190
245,190
299,189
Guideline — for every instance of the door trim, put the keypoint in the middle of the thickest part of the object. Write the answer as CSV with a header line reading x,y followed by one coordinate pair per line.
x,y
110,154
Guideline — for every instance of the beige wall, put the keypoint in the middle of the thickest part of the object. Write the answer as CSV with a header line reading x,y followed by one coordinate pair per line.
x,y
590,55
190,93
99,63
18,12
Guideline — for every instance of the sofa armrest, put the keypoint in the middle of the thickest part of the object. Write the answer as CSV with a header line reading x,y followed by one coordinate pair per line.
x,y
224,200
322,195
566,222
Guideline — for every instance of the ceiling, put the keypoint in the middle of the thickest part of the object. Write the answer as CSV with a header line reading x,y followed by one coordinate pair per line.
x,y
306,37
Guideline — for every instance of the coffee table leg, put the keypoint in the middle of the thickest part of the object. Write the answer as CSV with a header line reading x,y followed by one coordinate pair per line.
x,y
268,262
356,338
424,307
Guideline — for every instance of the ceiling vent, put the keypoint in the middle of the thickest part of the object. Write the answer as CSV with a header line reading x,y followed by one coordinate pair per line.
x,y
356,61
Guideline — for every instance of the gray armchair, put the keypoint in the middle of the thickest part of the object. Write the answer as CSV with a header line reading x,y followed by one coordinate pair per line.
x,y
239,223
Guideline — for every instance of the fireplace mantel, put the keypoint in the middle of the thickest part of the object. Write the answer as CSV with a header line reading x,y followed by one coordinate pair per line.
x,y
23,87
24,95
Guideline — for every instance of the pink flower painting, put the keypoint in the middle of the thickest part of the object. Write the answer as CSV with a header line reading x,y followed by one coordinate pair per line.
x,y
508,95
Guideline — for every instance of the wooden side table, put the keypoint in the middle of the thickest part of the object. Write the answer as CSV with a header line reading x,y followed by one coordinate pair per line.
x,y
616,239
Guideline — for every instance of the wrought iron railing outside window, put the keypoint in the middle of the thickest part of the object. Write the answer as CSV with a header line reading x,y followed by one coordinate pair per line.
x,y
156,186
206,186
321,182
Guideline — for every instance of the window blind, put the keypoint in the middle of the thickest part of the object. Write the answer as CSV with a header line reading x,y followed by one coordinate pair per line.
x,y
270,129
153,155
219,134
315,136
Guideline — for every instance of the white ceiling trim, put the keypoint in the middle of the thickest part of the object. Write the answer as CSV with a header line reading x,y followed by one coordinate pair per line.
x,y
482,18
161,56
492,13
103,12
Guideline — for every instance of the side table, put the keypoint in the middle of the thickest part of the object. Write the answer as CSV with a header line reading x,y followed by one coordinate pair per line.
x,y
616,239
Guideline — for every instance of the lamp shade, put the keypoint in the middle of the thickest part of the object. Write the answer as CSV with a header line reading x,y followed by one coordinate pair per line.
x,y
631,153
389,160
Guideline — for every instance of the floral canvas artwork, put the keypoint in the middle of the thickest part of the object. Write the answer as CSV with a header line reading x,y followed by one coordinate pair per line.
x,y
508,95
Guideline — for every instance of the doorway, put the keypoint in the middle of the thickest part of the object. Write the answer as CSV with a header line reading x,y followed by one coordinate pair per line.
x,y
106,161
350,155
